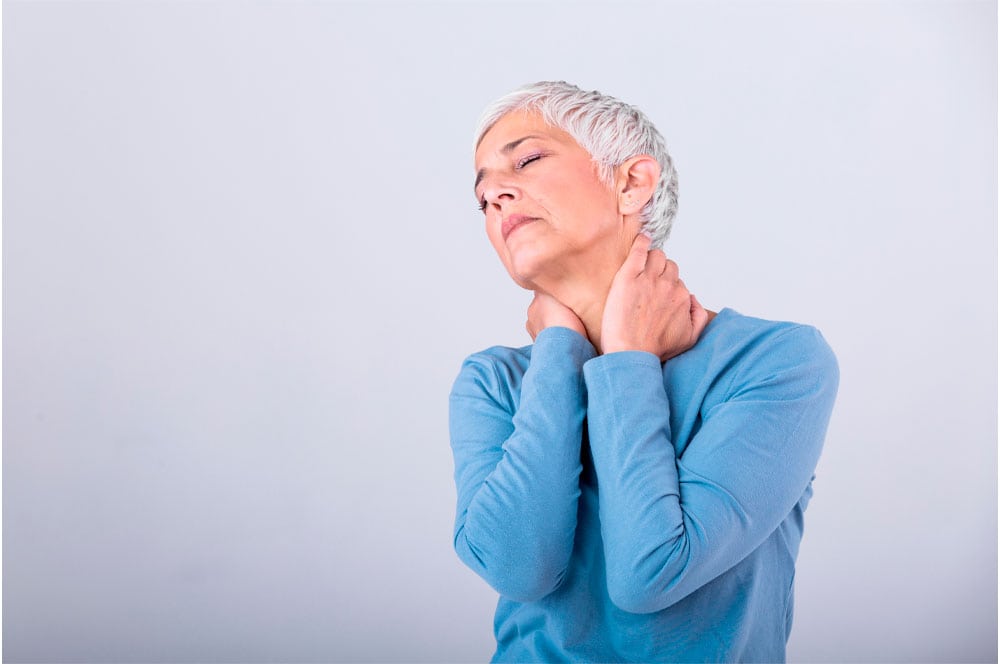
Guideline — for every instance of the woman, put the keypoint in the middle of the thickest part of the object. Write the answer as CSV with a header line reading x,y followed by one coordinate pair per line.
x,y
633,483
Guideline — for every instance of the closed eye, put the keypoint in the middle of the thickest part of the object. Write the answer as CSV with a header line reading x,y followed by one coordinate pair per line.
x,y
524,161
521,163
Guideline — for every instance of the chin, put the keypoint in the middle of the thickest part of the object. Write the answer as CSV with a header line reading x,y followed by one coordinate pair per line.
x,y
521,280
525,267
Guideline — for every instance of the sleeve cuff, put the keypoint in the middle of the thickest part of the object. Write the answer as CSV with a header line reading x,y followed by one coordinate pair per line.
x,y
623,359
562,341
627,372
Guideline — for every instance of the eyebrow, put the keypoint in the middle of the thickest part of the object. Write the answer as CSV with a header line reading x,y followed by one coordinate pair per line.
x,y
507,149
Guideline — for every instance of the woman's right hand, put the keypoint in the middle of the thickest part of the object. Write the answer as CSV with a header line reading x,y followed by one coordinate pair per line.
x,y
546,311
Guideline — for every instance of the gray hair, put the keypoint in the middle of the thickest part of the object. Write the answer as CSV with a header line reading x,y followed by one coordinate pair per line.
x,y
609,129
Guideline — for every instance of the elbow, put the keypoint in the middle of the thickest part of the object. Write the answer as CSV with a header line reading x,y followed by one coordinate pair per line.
x,y
648,583
527,586
522,576
633,597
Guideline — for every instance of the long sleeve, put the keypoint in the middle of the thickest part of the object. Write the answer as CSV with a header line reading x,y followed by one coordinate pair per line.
x,y
671,524
517,464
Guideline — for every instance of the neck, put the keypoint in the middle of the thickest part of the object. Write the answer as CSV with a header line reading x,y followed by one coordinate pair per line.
x,y
583,284
587,302
584,291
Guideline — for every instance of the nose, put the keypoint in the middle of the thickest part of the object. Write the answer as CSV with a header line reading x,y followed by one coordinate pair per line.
x,y
499,192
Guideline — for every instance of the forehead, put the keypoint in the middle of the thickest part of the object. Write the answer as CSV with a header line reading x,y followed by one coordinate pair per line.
x,y
514,126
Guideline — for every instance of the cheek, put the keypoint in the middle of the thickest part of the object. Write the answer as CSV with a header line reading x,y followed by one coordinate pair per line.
x,y
582,221
583,204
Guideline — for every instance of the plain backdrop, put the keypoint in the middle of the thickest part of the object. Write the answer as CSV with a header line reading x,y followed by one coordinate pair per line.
x,y
242,264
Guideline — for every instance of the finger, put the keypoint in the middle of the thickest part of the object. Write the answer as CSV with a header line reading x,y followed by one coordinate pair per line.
x,y
636,259
534,306
699,318
656,260
532,314
670,270
682,293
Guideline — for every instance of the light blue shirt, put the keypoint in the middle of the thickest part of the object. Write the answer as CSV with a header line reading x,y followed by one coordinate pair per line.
x,y
630,510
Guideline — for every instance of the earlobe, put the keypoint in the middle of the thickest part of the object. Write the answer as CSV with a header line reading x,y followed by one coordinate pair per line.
x,y
639,177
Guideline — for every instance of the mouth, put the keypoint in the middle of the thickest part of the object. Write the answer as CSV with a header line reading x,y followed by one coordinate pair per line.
x,y
513,222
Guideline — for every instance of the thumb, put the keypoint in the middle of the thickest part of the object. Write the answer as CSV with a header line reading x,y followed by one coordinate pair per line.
x,y
635,262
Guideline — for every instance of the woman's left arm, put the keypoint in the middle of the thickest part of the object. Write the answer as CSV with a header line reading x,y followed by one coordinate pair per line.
x,y
670,525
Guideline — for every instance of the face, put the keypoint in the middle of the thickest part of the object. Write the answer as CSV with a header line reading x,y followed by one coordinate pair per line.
x,y
548,215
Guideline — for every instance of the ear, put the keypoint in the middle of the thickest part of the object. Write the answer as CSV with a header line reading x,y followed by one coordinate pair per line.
x,y
637,180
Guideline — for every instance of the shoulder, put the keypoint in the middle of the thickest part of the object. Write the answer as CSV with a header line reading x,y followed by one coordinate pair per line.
x,y
735,335
502,362
557,349
745,349
495,373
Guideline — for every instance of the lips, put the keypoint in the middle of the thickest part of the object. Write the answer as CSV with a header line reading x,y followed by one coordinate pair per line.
x,y
514,221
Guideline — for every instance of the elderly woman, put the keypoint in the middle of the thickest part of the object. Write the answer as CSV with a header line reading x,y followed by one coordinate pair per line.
x,y
633,483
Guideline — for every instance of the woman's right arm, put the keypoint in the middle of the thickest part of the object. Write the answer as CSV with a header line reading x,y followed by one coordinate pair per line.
x,y
517,464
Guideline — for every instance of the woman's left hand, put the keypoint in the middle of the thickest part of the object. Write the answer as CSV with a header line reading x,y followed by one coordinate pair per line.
x,y
648,307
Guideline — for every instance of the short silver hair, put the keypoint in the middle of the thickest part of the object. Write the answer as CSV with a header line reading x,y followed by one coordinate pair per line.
x,y
609,129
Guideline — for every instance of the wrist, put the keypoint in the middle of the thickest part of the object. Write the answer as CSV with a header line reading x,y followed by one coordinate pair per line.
x,y
614,345
576,326
565,339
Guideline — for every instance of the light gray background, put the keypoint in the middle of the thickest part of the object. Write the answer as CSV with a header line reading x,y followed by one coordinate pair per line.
x,y
242,265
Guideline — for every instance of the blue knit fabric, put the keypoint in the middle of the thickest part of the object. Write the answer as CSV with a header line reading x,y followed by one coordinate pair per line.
x,y
628,510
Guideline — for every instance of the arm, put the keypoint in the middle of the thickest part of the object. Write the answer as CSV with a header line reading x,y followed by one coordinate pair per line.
x,y
672,525
517,472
